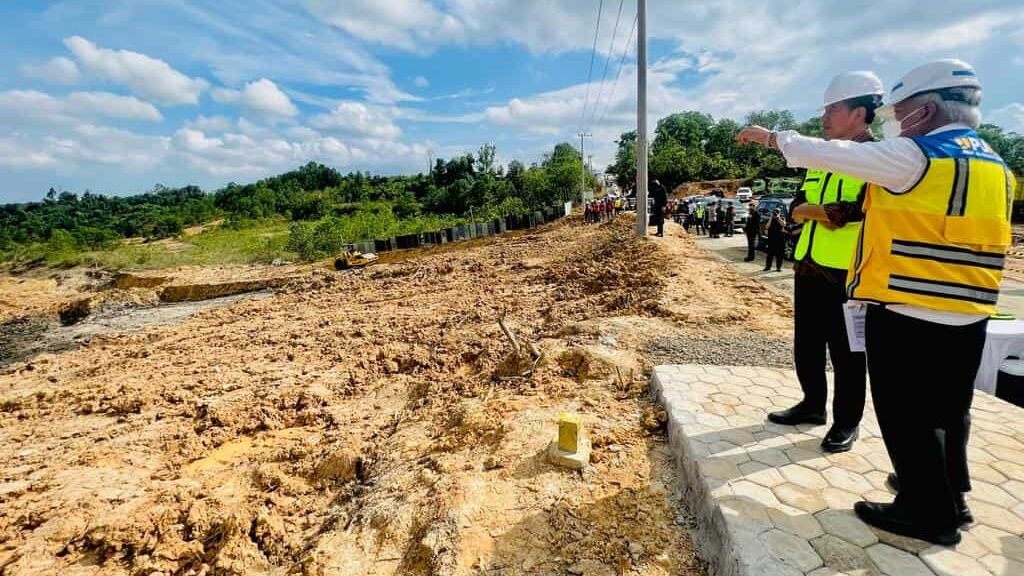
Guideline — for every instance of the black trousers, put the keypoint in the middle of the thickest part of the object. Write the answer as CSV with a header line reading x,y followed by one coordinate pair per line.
x,y
922,383
818,324
751,245
776,251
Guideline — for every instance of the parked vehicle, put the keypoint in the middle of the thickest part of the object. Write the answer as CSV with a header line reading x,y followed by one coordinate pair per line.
x,y
744,194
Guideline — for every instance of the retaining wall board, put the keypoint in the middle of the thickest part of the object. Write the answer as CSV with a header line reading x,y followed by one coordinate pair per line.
x,y
767,500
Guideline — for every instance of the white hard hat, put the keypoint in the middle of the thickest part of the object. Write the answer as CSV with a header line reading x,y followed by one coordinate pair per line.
x,y
853,85
948,73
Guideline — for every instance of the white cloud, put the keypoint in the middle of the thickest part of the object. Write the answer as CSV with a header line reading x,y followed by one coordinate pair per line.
x,y
967,32
113,106
210,123
421,82
359,120
28,107
261,97
94,144
15,154
1009,117
398,23
59,70
148,77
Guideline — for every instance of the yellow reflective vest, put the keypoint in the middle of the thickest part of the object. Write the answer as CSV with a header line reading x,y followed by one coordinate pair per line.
x,y
831,248
942,243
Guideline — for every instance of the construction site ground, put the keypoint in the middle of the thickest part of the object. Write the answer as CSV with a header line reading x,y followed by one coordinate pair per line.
x,y
370,422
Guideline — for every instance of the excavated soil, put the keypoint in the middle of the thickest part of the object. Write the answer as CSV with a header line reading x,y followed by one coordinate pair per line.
x,y
376,422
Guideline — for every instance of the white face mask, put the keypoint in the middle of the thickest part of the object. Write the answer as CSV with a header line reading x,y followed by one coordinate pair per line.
x,y
893,127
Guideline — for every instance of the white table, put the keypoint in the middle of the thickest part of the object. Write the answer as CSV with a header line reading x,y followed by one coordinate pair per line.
x,y
1005,338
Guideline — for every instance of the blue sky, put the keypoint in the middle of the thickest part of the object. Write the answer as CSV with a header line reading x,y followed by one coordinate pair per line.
x,y
118,95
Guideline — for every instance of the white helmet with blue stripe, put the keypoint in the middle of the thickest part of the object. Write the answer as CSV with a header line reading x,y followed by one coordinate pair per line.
x,y
948,73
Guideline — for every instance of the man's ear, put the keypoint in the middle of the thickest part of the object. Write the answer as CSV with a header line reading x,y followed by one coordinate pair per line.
x,y
860,114
931,110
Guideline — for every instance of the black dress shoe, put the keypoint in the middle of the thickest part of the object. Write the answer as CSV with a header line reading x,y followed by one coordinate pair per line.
x,y
798,414
839,439
890,518
963,513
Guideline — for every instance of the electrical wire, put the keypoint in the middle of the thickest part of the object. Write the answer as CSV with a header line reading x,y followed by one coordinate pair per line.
x,y
607,61
590,74
622,61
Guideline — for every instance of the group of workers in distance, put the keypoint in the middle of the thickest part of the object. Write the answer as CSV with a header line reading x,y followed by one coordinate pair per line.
x,y
712,218
597,211
908,236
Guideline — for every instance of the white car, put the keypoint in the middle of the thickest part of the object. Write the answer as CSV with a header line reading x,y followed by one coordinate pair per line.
x,y
744,194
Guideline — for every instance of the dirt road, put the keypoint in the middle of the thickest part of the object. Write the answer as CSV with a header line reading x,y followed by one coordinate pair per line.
x,y
376,422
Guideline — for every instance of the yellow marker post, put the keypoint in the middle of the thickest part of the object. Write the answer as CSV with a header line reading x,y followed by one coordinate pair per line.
x,y
569,432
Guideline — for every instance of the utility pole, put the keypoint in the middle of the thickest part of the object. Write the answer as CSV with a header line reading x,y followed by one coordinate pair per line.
x,y
583,167
430,161
641,118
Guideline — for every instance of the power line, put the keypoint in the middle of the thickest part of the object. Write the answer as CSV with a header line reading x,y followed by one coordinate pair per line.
x,y
622,61
607,60
593,54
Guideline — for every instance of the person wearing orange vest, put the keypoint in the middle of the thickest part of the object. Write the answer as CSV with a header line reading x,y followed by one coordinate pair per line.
x,y
928,264
829,207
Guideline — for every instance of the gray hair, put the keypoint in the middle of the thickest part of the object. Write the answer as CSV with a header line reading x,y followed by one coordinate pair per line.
x,y
960,105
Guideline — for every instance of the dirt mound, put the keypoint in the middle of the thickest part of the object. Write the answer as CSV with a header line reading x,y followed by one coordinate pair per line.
x,y
362,423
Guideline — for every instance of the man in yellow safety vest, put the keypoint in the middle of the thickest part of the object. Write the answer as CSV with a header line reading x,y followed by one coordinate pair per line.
x,y
929,264
829,207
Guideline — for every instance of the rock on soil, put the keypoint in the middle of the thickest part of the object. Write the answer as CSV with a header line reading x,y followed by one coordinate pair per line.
x,y
739,350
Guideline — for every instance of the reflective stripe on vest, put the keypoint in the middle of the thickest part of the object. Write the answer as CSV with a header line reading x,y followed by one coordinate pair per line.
x,y
942,244
830,248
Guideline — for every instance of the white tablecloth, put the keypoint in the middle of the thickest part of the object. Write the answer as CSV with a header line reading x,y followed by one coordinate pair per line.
x,y
1005,338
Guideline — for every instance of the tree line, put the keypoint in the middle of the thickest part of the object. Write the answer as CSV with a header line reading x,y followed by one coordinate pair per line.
x,y
352,206
693,146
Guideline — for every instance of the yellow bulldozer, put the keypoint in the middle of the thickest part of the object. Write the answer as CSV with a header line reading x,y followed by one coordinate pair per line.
x,y
350,257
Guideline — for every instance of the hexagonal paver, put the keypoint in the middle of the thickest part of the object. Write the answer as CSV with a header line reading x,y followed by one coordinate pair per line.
x,y
769,456
897,562
1006,454
807,458
795,521
998,542
718,409
803,476
762,474
1000,566
996,517
987,474
755,492
839,554
839,499
846,526
846,480
1008,469
850,461
719,469
878,479
1014,487
949,562
784,507
799,497
791,550
971,546
911,545
745,513
986,492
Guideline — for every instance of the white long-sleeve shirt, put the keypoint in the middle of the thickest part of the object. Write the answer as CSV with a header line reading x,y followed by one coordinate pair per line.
x,y
896,164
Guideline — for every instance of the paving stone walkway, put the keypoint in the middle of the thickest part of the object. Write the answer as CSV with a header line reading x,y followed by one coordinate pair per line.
x,y
769,502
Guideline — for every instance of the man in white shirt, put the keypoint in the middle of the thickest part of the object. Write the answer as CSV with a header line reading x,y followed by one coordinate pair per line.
x,y
929,259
